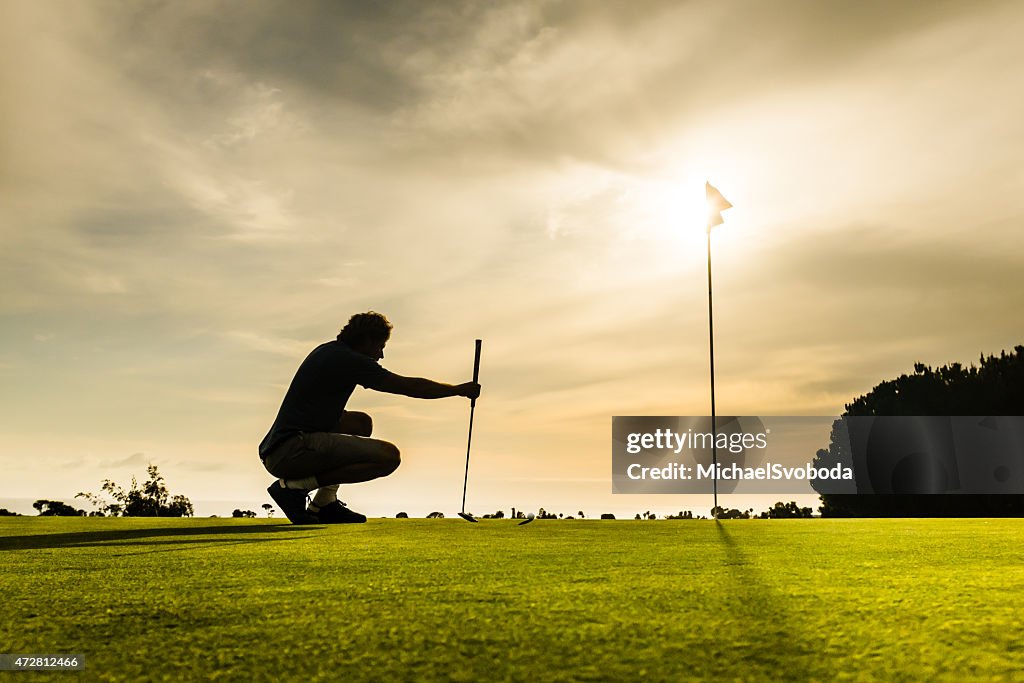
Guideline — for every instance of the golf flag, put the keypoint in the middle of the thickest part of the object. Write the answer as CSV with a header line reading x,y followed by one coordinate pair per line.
x,y
716,205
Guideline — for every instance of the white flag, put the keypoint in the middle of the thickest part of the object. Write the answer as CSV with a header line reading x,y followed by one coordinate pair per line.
x,y
716,205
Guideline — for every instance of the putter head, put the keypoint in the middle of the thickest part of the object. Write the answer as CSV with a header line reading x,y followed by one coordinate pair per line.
x,y
526,521
468,517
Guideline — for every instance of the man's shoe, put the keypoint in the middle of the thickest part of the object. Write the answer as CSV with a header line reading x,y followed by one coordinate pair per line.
x,y
337,513
292,503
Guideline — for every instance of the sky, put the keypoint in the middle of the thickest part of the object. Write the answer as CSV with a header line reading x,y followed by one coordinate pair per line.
x,y
193,195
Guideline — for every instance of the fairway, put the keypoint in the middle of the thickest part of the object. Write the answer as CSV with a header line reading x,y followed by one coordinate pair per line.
x,y
169,599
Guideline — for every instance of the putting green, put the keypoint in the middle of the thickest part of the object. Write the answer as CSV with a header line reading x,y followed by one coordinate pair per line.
x,y
553,600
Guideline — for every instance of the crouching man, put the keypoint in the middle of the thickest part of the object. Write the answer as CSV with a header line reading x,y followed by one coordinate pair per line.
x,y
316,444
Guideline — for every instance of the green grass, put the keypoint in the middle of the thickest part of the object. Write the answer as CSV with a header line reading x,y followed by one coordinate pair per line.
x,y
553,600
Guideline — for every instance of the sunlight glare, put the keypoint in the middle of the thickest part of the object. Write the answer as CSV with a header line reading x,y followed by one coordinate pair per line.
x,y
677,210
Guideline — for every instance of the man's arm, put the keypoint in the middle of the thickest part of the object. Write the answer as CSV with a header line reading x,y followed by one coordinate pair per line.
x,y
420,387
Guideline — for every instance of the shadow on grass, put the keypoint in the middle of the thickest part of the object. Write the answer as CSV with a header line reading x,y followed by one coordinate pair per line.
x,y
158,536
776,630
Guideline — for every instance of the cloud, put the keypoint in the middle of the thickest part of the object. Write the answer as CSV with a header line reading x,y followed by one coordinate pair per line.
x,y
879,265
260,111
223,397
606,85
269,344
202,467
133,461
245,209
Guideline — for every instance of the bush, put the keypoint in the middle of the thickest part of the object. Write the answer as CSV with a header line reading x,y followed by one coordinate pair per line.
x,y
788,510
152,500
56,508
996,387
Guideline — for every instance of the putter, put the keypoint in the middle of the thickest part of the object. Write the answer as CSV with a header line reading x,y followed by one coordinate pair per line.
x,y
529,518
469,442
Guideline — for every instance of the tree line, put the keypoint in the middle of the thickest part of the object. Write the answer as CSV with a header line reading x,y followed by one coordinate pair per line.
x,y
150,499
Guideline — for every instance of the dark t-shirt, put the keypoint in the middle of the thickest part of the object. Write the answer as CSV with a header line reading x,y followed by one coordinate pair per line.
x,y
320,389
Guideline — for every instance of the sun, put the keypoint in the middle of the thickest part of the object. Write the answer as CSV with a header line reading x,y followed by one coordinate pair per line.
x,y
677,209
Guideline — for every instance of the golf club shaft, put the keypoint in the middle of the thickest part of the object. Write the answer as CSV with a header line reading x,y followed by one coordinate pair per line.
x,y
472,409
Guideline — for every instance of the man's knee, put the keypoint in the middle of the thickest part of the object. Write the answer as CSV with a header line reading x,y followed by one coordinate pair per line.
x,y
355,423
391,457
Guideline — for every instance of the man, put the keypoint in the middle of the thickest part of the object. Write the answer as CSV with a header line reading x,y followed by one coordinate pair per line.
x,y
316,444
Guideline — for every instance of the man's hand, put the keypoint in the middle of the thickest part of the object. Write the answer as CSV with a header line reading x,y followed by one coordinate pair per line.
x,y
469,390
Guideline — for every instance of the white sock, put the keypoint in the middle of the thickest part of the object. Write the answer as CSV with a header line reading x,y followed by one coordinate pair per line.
x,y
307,484
325,495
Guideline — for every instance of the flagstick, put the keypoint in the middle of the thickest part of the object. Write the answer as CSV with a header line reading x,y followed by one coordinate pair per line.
x,y
716,205
711,336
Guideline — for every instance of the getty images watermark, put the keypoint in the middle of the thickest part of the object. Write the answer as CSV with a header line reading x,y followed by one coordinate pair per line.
x,y
821,454
729,444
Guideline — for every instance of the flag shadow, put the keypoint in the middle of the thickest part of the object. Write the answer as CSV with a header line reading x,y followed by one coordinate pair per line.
x,y
772,634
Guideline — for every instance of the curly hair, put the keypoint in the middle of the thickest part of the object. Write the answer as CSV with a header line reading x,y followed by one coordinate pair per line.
x,y
362,327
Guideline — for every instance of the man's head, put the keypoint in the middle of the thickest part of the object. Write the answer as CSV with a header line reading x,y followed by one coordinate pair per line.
x,y
367,333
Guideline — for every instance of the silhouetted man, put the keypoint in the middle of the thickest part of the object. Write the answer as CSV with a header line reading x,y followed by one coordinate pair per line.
x,y
316,444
